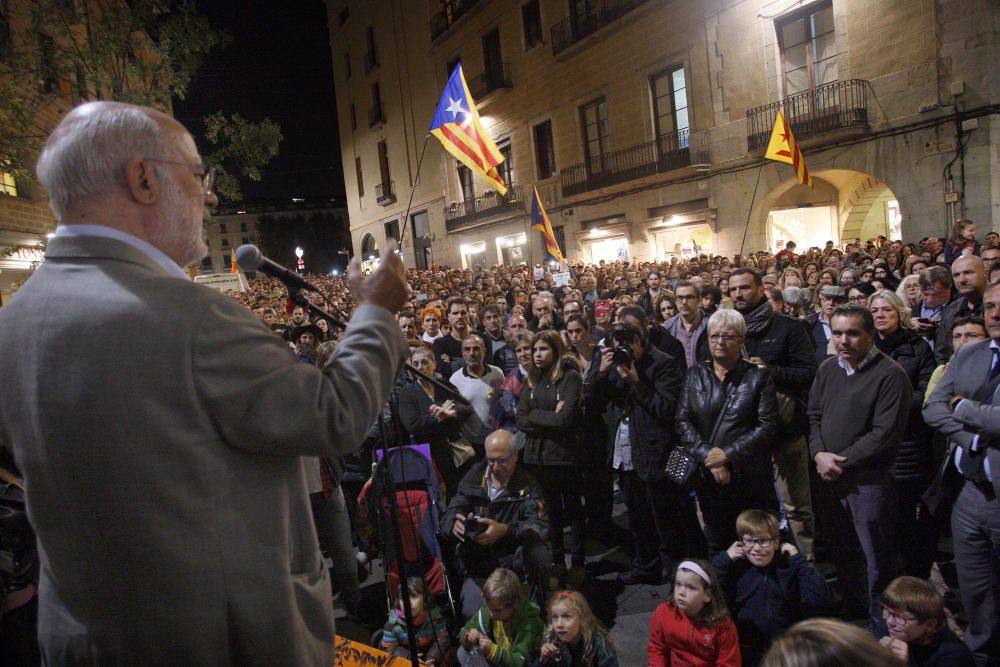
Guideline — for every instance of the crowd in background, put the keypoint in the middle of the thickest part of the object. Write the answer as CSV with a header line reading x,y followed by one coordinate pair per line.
x,y
601,371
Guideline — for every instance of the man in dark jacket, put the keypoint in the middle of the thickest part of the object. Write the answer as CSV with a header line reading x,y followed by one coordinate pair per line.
x,y
644,394
818,323
783,345
510,528
969,275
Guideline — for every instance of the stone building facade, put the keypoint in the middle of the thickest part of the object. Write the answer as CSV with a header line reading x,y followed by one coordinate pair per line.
x,y
643,123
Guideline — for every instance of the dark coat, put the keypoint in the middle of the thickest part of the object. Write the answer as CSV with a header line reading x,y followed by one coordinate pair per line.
x,y
553,438
414,414
818,334
748,423
787,349
651,406
908,349
766,601
521,508
957,308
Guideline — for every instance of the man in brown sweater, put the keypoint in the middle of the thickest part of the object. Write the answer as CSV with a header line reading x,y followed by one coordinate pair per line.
x,y
858,408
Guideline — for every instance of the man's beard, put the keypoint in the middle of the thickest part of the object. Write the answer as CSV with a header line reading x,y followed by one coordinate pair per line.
x,y
176,233
748,308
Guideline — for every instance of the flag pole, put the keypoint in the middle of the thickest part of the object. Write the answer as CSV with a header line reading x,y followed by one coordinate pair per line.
x,y
409,204
746,227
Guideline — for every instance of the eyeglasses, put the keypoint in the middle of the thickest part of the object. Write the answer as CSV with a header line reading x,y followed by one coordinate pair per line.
x,y
890,615
725,338
749,543
207,178
858,299
499,460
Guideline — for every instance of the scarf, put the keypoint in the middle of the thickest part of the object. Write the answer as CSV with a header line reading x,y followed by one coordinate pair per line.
x,y
759,318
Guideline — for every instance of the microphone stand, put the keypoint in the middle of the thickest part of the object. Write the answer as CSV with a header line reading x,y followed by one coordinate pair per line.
x,y
295,295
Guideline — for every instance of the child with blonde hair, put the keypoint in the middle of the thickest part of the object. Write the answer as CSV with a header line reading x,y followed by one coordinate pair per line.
x,y
506,630
574,636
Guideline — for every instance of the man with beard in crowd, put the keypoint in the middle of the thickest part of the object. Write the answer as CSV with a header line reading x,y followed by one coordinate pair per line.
x,y
448,348
782,344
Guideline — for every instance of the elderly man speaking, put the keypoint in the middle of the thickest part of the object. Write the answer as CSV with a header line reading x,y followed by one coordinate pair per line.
x,y
160,427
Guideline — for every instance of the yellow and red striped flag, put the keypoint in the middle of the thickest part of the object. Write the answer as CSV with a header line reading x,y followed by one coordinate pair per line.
x,y
783,148
540,221
457,126
233,267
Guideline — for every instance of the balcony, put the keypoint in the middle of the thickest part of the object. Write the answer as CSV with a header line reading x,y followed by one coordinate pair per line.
x,y
375,116
452,12
687,148
459,215
385,193
833,106
371,61
490,80
569,31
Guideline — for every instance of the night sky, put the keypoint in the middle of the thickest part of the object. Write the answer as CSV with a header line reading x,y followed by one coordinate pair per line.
x,y
277,66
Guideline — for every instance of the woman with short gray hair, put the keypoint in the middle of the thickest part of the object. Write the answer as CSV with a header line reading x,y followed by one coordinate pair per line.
x,y
727,417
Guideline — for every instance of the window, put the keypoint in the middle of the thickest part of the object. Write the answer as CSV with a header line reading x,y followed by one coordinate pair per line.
x,y
8,185
421,224
545,153
594,119
465,180
227,262
361,180
383,163
347,64
5,46
392,230
243,227
354,117
222,228
206,262
492,57
47,63
531,19
375,113
583,14
808,49
670,108
371,57
506,168
245,240
225,243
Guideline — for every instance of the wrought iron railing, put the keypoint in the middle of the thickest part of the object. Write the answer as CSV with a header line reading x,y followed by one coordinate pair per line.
x,y
375,115
453,10
459,214
385,193
482,85
571,30
832,106
669,152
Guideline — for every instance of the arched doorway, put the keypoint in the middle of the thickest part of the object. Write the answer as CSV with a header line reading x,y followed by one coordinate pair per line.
x,y
844,206
369,253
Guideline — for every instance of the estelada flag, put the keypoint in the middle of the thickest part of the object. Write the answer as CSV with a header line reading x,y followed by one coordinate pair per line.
x,y
540,221
233,268
457,126
783,148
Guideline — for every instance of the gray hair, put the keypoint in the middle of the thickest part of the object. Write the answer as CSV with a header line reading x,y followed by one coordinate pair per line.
x,y
86,155
727,317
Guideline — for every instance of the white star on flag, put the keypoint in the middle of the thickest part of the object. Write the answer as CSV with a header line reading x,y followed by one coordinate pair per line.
x,y
455,108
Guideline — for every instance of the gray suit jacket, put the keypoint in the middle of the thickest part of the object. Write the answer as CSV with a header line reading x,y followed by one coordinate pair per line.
x,y
966,372
160,429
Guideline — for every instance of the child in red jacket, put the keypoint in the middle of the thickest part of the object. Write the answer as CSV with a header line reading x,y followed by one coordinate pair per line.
x,y
694,628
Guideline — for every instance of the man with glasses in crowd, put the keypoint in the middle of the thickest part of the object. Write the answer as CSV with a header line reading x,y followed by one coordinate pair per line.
x,y
689,325
497,519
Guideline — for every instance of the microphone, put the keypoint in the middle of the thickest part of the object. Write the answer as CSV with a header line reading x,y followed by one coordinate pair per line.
x,y
249,258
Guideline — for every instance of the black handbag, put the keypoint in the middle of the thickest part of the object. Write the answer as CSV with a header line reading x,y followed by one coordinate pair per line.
x,y
681,463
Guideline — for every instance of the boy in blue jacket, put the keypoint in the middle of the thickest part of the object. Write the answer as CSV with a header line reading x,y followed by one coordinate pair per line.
x,y
770,586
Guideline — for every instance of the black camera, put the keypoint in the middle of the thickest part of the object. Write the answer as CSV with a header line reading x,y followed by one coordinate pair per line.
x,y
474,528
623,355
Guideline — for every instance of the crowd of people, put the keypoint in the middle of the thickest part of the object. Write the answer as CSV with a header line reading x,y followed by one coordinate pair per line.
x,y
755,413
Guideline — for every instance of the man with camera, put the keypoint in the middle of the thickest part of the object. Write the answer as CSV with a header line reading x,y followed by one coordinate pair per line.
x,y
497,518
643,385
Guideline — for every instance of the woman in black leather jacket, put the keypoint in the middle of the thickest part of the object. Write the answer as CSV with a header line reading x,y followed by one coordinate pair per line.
x,y
896,337
550,415
727,417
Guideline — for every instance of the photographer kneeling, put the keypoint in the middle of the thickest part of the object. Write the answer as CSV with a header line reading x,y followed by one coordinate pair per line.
x,y
497,518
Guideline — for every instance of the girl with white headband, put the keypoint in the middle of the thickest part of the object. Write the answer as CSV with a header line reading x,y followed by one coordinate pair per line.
x,y
694,628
